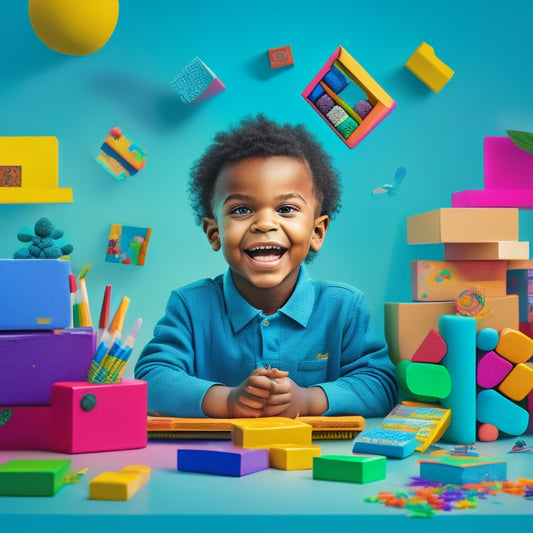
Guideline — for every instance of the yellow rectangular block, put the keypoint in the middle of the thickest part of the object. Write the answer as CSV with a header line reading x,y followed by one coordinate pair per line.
x,y
291,457
446,280
407,324
428,68
505,250
270,431
121,485
463,224
38,158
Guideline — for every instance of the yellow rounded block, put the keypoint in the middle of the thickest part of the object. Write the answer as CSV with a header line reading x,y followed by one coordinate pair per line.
x,y
428,68
292,457
76,28
121,485
518,383
515,346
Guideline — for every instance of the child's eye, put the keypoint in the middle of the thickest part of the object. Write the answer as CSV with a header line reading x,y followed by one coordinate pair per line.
x,y
240,210
286,209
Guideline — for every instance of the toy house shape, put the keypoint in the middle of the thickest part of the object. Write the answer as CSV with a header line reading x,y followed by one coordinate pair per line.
x,y
507,180
351,123
29,171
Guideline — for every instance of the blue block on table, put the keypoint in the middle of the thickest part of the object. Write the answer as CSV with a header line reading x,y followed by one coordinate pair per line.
x,y
224,461
462,471
387,442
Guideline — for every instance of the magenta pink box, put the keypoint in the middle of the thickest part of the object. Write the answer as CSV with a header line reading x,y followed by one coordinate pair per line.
x,y
89,417
25,428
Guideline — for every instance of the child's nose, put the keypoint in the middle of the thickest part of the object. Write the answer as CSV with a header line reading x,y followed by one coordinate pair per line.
x,y
263,222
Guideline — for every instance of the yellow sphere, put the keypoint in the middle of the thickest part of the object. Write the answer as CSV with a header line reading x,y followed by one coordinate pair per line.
x,y
74,27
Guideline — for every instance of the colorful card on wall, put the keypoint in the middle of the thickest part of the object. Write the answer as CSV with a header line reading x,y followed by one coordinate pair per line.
x,y
121,156
127,244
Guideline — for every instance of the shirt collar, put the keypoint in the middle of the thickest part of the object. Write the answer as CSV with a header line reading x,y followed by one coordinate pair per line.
x,y
298,307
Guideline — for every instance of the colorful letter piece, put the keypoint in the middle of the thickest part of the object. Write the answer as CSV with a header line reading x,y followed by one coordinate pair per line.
x,y
127,244
431,350
280,57
452,225
33,477
494,408
445,280
427,381
492,369
462,471
121,156
354,468
326,94
428,68
226,461
196,82
515,346
270,431
121,485
29,169
292,457
459,333
507,178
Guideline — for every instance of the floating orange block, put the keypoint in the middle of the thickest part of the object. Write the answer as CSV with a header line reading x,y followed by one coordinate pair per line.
x,y
463,225
515,346
428,68
280,57
518,383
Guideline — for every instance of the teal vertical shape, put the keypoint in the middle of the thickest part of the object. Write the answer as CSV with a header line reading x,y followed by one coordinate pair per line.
x,y
459,333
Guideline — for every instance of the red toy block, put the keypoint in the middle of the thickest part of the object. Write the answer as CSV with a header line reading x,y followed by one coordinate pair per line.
x,y
492,369
88,417
280,57
432,349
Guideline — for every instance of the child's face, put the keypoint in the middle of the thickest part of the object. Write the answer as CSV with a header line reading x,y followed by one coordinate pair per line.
x,y
266,219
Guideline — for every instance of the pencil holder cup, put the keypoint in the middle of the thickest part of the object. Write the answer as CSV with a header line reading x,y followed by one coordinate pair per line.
x,y
88,417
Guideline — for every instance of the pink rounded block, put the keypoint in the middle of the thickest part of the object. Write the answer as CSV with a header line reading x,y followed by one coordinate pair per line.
x,y
492,369
431,350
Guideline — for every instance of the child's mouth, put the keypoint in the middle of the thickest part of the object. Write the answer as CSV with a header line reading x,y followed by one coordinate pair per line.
x,y
266,253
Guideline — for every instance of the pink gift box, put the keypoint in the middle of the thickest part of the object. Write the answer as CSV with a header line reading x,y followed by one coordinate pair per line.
x,y
89,417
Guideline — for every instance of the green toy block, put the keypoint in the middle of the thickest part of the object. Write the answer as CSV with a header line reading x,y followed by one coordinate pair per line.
x,y
33,477
427,381
352,468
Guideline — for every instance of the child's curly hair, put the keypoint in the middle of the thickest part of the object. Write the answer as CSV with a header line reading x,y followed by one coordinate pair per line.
x,y
260,137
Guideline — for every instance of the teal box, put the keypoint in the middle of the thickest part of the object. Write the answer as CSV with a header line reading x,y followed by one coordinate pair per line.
x,y
33,477
352,468
34,294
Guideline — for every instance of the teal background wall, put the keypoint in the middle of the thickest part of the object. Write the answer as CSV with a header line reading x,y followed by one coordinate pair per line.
x,y
437,138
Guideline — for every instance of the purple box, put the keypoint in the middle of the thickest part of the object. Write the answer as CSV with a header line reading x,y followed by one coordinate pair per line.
x,y
223,460
32,361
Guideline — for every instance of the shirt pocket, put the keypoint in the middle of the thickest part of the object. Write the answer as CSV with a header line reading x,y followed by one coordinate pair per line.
x,y
311,372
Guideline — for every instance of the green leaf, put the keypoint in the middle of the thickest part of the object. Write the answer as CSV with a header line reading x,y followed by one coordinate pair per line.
x,y
522,139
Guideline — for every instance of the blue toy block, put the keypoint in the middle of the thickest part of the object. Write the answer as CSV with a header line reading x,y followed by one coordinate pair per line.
x,y
494,408
224,461
387,442
461,471
196,82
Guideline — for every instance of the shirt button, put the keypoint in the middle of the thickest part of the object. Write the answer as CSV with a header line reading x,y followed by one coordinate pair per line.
x,y
266,323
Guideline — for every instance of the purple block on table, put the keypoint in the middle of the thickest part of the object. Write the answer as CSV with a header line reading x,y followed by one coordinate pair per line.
x,y
222,460
32,361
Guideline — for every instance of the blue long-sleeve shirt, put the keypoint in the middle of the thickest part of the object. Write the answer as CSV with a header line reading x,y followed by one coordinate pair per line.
x,y
322,336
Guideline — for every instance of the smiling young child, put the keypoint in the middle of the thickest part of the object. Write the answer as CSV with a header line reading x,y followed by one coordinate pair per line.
x,y
263,339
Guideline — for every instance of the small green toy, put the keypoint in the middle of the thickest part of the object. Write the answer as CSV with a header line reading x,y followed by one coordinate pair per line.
x,y
42,243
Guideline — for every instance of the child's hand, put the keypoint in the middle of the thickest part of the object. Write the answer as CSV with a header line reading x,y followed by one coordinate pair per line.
x,y
251,396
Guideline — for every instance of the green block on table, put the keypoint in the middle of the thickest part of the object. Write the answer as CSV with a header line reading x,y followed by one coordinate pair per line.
x,y
352,468
425,380
33,477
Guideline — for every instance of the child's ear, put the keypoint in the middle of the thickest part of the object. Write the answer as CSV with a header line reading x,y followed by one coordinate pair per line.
x,y
210,228
319,232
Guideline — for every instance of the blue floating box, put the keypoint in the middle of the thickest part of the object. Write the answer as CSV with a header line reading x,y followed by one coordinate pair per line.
x,y
387,442
34,294
461,471
32,361
225,461
196,82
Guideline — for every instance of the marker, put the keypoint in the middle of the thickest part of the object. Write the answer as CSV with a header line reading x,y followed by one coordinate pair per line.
x,y
104,312
74,320
86,313
132,335
114,331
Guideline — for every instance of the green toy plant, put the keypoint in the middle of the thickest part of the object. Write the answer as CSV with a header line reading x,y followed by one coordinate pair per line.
x,y
522,139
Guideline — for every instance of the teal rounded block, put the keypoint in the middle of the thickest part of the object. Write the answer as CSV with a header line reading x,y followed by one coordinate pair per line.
x,y
427,380
459,333
487,339
494,408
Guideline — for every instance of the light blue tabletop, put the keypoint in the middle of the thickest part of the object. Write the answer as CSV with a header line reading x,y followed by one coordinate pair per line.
x,y
269,500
